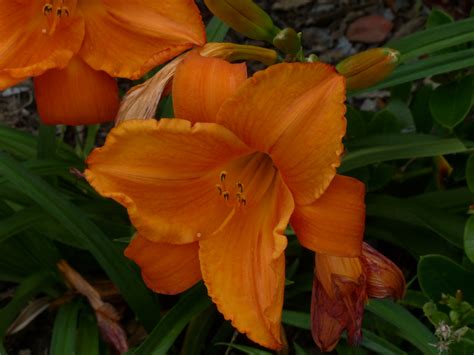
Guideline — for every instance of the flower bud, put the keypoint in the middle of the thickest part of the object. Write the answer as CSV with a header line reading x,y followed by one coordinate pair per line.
x,y
244,16
288,41
234,52
368,68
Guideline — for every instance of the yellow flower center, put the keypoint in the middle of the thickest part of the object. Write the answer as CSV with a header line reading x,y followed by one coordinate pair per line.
x,y
54,11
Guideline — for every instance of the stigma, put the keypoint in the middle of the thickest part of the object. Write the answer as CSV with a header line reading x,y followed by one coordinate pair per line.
x,y
233,194
54,11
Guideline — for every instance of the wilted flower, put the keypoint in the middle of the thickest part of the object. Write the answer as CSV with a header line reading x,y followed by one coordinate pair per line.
x,y
341,288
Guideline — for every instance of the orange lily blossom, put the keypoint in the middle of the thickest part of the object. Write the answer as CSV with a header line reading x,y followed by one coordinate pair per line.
x,y
74,48
212,191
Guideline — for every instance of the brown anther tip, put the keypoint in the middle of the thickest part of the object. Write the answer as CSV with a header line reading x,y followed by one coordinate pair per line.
x,y
240,186
219,189
226,195
243,201
223,175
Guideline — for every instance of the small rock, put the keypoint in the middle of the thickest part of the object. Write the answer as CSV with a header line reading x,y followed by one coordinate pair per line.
x,y
369,29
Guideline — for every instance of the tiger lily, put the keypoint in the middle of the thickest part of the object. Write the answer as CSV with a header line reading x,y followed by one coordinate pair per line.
x,y
341,288
74,48
211,191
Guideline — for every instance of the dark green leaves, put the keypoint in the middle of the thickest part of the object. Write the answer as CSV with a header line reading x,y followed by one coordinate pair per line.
x,y
450,104
73,219
438,274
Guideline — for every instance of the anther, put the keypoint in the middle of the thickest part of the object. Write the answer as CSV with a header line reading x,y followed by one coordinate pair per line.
x,y
238,196
66,11
240,186
223,175
219,189
59,12
243,201
47,9
226,195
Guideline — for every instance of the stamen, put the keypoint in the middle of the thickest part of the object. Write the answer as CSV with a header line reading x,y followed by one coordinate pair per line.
x,y
226,195
223,175
59,12
240,186
65,11
243,201
219,189
238,196
47,9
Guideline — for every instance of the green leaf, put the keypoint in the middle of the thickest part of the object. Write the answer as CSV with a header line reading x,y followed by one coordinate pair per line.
x,y
415,299
421,110
91,136
469,238
216,30
173,322
31,286
296,319
408,327
105,251
369,339
438,17
438,274
246,349
470,172
63,340
46,148
24,146
299,350
19,222
434,39
88,334
379,345
450,104
446,225
414,149
197,332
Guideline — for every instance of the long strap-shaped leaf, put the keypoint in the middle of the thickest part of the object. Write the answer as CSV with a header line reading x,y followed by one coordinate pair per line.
x,y
74,220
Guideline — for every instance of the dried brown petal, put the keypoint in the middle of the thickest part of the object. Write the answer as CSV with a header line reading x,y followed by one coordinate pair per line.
x,y
342,306
384,278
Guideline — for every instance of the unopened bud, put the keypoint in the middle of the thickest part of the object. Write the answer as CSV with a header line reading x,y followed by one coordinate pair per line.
x,y
235,52
367,68
244,16
288,41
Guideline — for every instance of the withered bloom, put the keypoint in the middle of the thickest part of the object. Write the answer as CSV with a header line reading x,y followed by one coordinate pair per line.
x,y
341,288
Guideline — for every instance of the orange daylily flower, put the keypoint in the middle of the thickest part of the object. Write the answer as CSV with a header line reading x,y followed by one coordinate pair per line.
x,y
340,290
212,191
73,48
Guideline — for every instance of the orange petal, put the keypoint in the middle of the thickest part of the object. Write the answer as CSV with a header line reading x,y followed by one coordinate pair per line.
x,y
243,265
26,46
128,38
384,278
6,80
294,112
165,174
166,268
76,95
334,223
202,84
